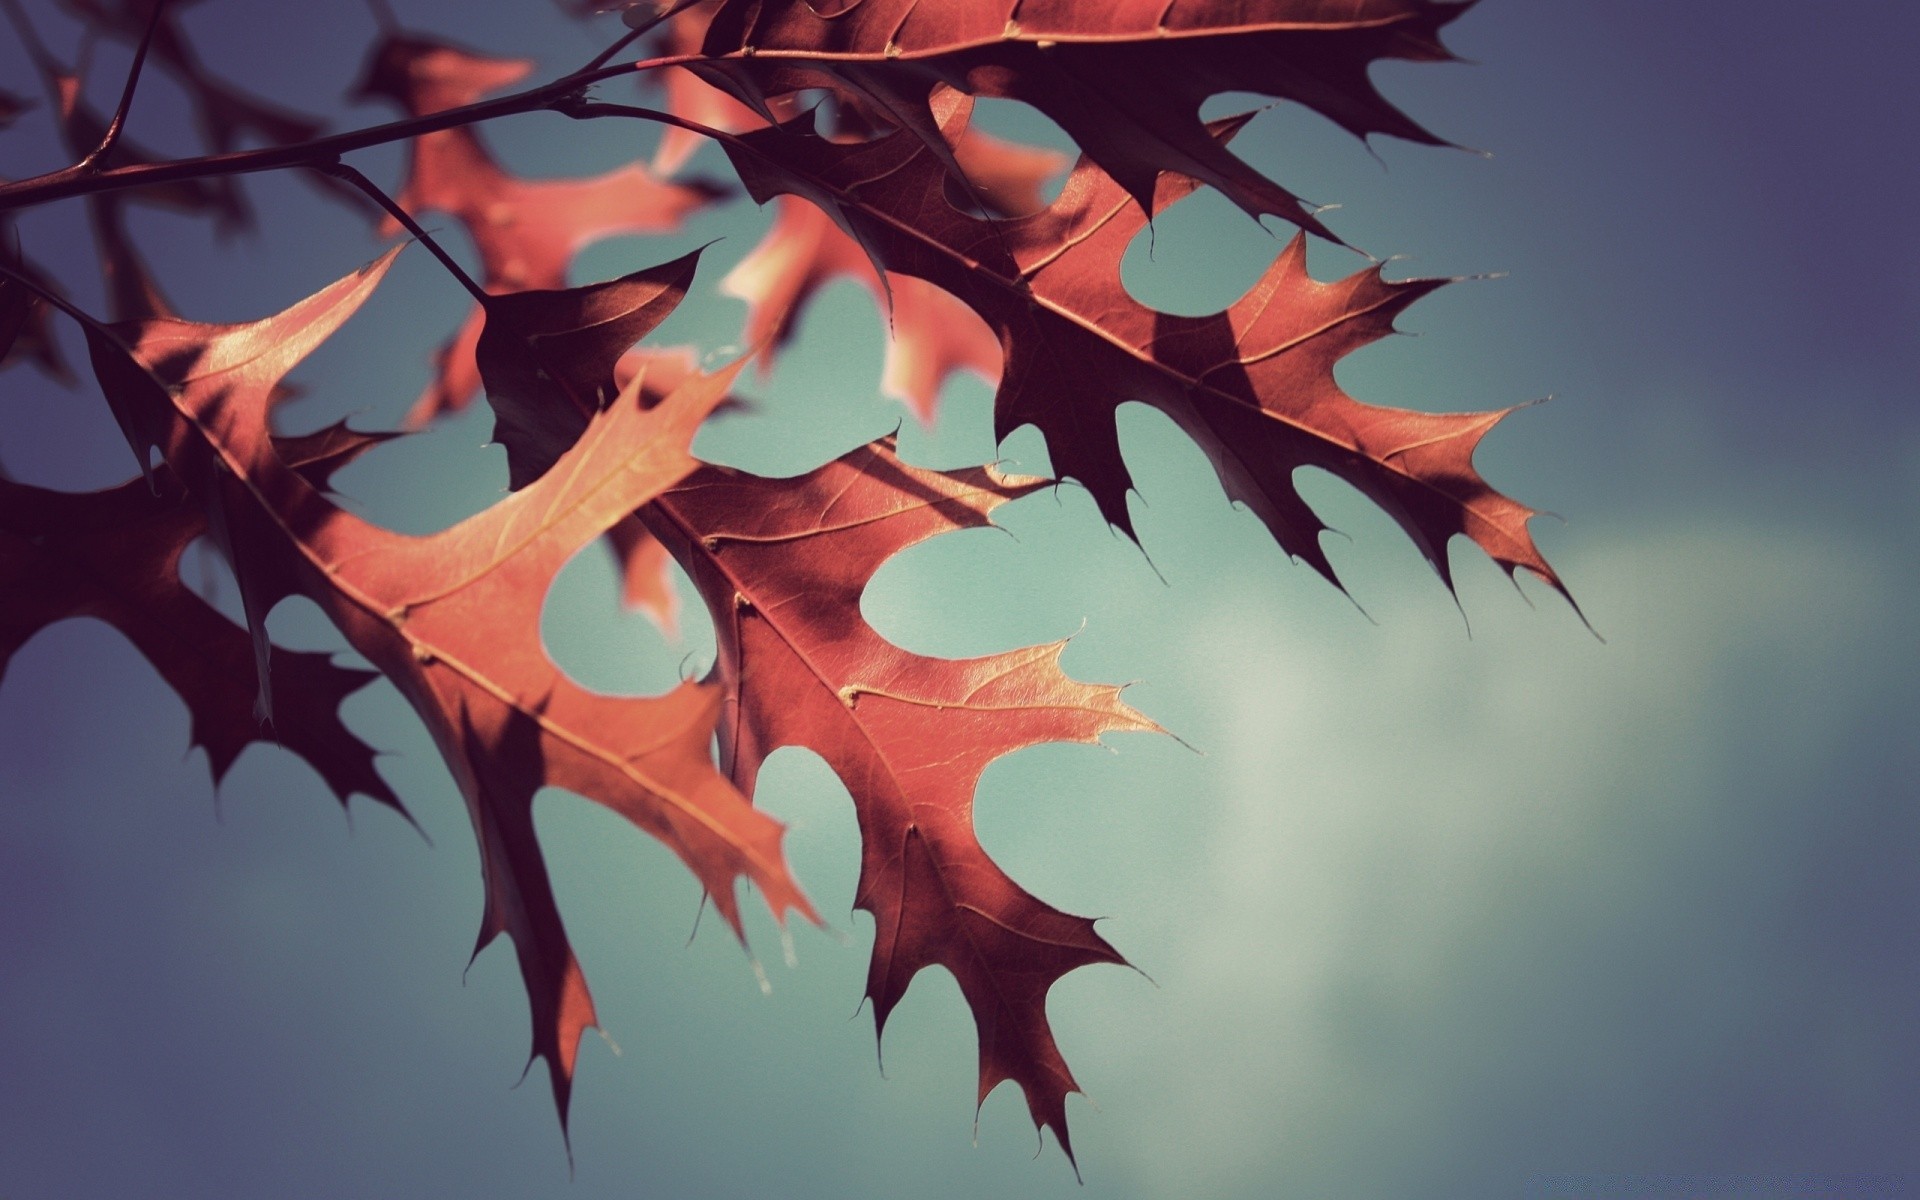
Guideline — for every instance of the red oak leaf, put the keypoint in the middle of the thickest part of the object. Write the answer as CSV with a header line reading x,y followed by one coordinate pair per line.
x,y
689,96
115,555
526,232
1253,385
549,357
1125,80
567,343
453,621
932,334
646,569
782,564
646,575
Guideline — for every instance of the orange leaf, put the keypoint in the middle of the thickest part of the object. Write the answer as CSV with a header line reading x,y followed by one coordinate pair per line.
x,y
782,564
453,621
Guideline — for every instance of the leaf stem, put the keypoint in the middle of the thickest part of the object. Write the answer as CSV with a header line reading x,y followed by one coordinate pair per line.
x,y
601,59
586,109
80,315
347,174
636,32
112,136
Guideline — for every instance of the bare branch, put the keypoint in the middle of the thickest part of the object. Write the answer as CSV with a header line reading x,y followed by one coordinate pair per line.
x,y
112,135
347,174
637,32
561,95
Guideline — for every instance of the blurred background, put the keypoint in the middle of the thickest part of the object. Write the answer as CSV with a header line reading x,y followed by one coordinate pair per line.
x,y
1454,901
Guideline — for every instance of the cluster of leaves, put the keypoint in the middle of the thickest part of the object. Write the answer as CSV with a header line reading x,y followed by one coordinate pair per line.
x,y
884,183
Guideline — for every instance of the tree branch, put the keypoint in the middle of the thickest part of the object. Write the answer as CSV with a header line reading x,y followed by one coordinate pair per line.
x,y
347,174
635,33
68,182
112,136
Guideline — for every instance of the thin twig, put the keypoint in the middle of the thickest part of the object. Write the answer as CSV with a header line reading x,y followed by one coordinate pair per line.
x,y
67,183
601,59
347,174
112,136
637,32
47,295
584,109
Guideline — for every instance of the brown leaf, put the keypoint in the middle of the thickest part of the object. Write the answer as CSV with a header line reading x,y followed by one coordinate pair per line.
x,y
782,564
1252,385
548,356
115,556
932,335
646,569
689,96
453,621
1005,177
646,574
1125,80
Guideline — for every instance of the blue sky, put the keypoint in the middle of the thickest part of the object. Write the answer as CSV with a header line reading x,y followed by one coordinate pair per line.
x,y
1434,913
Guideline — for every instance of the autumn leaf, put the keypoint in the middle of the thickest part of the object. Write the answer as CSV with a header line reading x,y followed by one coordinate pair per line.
x,y
646,569
549,357
689,96
972,270
1252,385
646,575
535,345
453,621
782,564
1084,65
115,556
931,334
525,232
